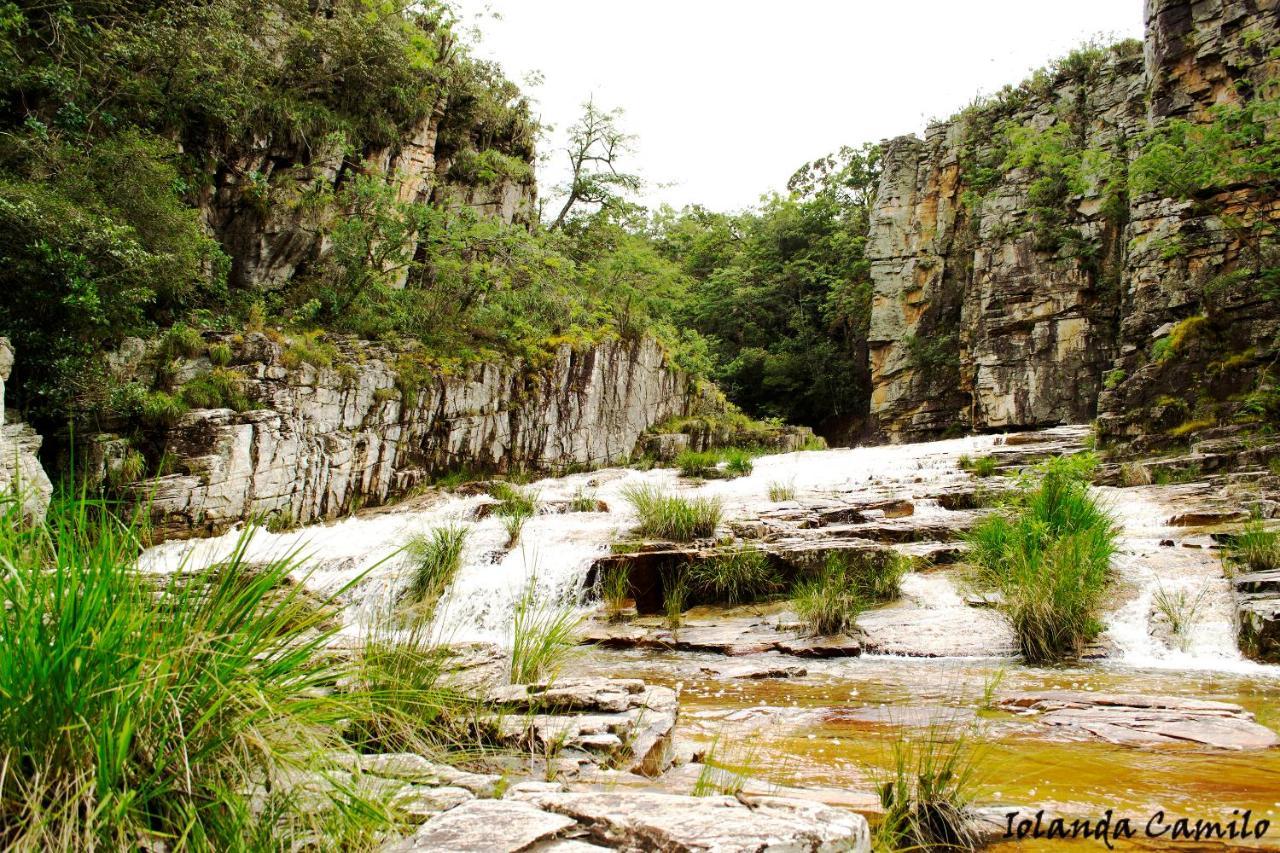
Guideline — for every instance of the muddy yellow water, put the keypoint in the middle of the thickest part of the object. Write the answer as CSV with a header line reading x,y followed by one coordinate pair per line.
x,y
834,729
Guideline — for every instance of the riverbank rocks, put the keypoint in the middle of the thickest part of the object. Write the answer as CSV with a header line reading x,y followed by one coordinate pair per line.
x,y
20,468
730,635
621,723
1149,721
650,821
1258,615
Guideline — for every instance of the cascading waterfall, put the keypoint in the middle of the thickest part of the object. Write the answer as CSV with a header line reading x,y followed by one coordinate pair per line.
x,y
556,549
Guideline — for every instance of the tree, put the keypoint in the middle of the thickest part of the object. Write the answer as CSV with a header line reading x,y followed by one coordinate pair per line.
x,y
596,144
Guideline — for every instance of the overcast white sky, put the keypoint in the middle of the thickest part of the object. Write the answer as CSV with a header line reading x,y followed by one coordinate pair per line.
x,y
729,97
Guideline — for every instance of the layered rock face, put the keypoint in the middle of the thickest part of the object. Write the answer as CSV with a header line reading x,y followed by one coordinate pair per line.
x,y
326,440
20,469
1014,278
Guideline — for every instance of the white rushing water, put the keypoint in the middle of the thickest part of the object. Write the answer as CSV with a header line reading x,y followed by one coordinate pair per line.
x,y
556,550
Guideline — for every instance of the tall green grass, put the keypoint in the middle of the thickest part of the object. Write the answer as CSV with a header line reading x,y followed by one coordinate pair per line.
x,y
927,792
615,589
739,576
1255,548
666,516
1051,560
515,506
436,558
876,576
544,635
135,708
827,604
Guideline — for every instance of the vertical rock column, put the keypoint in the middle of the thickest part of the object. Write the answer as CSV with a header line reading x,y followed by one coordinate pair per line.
x,y
20,469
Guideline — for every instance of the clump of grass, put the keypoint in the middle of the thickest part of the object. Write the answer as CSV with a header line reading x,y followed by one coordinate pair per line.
x,y
990,685
543,636
436,560
780,491
1255,548
739,576
138,709
983,466
875,576
180,341
583,501
667,516
698,463
1181,609
220,354
162,409
308,348
1134,474
675,591
725,772
220,388
738,462
1050,560
515,506
615,589
828,604
927,792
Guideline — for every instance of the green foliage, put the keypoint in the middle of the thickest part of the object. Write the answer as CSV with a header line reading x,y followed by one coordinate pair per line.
x,y
543,636
828,604
515,506
983,466
740,576
693,463
876,577
142,707
666,516
1051,560
436,559
780,491
1255,548
928,791
218,389
583,501
675,592
783,294
615,589
933,356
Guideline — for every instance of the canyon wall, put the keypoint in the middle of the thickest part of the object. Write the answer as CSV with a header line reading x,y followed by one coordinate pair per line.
x,y
20,469
317,441
1016,283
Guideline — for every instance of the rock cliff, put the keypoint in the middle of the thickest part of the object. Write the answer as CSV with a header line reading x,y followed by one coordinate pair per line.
x,y
20,468
315,441
1016,284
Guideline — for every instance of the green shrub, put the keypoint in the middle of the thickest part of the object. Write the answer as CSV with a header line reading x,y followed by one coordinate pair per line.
x,y
436,559
220,355
1050,560
666,516
738,462
218,389
741,576
180,341
161,409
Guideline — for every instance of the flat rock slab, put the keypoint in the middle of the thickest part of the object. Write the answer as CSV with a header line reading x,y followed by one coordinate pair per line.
x,y
672,823
485,826
730,638
1134,720
751,671
620,722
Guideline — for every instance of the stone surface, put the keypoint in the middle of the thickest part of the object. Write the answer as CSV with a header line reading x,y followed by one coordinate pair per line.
x,y
1258,615
326,440
20,468
635,820
1135,720
620,723
485,826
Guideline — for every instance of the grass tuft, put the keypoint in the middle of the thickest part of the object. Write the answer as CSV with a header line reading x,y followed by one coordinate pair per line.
x,y
1255,548
615,589
928,791
666,516
436,559
739,576
780,491
543,637
1051,560
515,506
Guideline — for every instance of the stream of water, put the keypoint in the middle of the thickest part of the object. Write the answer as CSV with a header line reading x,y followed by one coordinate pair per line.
x,y
831,724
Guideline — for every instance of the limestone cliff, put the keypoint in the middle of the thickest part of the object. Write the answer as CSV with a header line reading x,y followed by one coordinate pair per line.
x,y
1014,277
20,469
315,441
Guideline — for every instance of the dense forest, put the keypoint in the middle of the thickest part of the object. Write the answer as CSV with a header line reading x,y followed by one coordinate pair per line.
x,y
140,136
